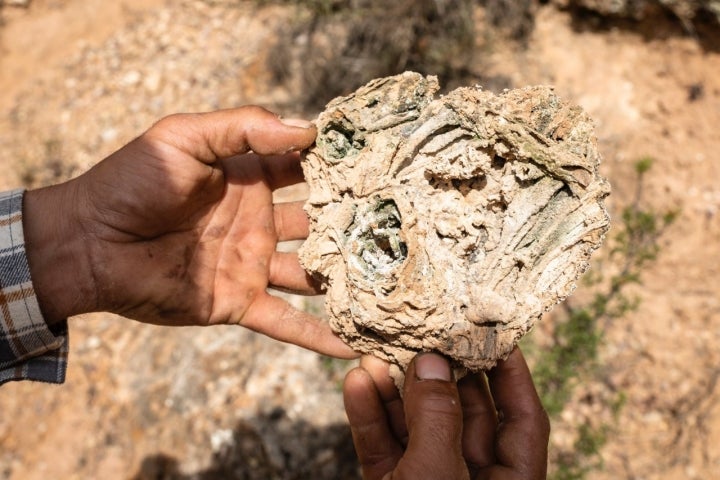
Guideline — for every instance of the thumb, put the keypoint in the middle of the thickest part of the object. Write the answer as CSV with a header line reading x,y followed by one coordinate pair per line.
x,y
433,414
224,133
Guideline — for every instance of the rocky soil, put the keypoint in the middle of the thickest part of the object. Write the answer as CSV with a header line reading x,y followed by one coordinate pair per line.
x,y
80,78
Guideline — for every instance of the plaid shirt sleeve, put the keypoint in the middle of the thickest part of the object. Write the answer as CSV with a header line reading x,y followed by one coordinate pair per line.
x,y
29,348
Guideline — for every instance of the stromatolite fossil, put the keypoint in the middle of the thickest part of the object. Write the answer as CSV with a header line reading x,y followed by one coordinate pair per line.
x,y
449,224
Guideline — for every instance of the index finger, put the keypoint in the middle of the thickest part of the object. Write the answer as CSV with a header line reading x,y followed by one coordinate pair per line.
x,y
524,428
276,318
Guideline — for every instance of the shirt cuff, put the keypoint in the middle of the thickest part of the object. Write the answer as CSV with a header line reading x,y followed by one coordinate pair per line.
x,y
29,348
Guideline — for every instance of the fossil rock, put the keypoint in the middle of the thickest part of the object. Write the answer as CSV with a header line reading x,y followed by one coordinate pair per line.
x,y
449,224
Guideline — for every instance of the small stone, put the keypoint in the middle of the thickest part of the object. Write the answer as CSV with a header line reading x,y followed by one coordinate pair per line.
x,y
152,82
131,78
109,134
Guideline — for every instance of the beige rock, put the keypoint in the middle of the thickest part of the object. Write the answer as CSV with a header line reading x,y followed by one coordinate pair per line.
x,y
449,224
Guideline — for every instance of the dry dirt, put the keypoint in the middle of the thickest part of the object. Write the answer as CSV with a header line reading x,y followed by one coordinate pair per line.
x,y
80,78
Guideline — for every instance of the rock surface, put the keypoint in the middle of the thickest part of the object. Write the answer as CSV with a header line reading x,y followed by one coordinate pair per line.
x,y
449,224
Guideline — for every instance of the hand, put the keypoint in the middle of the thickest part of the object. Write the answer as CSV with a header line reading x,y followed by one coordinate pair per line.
x,y
179,228
494,429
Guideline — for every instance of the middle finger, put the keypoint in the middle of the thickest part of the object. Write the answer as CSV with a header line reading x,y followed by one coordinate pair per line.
x,y
291,221
287,274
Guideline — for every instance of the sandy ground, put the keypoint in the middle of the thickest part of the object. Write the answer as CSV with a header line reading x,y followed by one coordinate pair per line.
x,y
80,78
664,357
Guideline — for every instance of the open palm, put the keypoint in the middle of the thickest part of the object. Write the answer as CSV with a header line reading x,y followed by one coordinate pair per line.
x,y
179,226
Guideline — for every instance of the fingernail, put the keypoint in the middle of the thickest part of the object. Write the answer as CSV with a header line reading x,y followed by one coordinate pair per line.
x,y
296,122
430,366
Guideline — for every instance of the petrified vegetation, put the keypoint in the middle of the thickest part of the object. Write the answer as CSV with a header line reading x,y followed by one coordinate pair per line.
x,y
449,224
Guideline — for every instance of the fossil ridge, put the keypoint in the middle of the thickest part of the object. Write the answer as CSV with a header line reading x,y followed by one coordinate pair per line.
x,y
449,224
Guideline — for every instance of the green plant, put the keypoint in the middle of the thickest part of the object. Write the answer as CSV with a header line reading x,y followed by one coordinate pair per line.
x,y
577,333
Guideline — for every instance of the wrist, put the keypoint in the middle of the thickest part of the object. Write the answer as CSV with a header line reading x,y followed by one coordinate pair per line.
x,y
57,252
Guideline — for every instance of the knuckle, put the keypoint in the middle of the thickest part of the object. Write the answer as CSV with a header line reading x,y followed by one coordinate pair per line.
x,y
437,404
173,121
278,219
439,401
255,111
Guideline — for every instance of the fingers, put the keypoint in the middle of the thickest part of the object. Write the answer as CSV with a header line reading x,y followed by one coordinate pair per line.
x,y
291,221
282,170
434,419
389,394
522,435
222,134
287,274
276,318
480,422
377,449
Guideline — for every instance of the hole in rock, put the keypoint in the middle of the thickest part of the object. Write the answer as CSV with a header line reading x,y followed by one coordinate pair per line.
x,y
375,239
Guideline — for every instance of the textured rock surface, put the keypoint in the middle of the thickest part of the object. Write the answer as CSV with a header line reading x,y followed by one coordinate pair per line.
x,y
449,224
